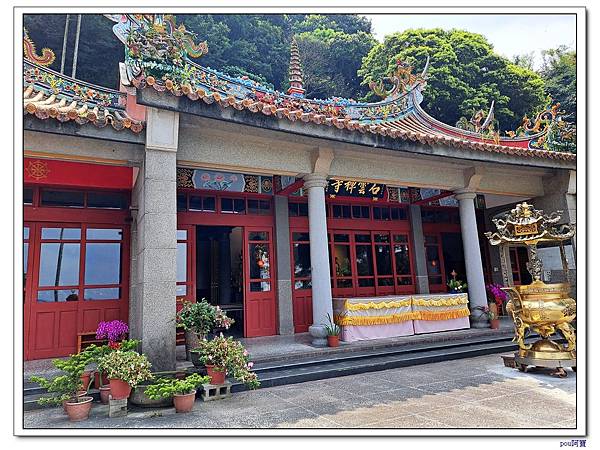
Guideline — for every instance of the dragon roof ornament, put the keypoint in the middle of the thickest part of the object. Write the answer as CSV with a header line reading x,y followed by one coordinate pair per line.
x,y
402,79
526,225
45,59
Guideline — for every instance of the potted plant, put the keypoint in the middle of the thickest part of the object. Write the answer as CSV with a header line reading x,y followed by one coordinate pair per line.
x,y
496,296
491,315
67,389
223,355
457,286
198,319
183,391
125,370
333,332
94,353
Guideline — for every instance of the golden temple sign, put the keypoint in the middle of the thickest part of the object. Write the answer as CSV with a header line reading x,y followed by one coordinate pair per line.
x,y
524,230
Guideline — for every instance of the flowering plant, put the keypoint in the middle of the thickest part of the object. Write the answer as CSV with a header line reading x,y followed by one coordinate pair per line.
x,y
457,285
129,366
222,320
225,353
201,317
114,331
497,294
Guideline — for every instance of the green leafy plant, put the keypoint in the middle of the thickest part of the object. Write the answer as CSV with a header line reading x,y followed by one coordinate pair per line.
x,y
167,387
457,285
201,317
128,366
230,355
332,328
491,315
66,386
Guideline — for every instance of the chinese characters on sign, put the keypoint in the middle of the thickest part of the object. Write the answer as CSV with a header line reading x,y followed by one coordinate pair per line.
x,y
347,188
521,230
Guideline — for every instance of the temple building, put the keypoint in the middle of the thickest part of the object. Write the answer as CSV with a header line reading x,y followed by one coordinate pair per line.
x,y
187,183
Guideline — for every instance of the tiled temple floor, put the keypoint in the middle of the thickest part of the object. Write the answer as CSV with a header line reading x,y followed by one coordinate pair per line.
x,y
468,393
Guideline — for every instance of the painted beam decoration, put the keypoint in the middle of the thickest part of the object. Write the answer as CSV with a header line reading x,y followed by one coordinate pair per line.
x,y
216,180
348,188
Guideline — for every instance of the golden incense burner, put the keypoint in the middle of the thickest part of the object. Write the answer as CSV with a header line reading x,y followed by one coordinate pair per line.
x,y
539,307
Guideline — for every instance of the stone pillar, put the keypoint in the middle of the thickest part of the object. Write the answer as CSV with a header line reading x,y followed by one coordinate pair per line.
x,y
418,244
224,268
285,308
154,304
319,256
474,268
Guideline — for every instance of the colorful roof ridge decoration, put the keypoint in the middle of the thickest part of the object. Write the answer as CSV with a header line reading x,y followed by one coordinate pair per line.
x,y
296,82
399,115
47,93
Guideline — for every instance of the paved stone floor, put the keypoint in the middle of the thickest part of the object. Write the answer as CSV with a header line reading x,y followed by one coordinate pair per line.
x,y
469,393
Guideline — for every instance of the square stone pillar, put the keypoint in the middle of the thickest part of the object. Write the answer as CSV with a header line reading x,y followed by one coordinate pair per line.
x,y
285,308
152,311
418,244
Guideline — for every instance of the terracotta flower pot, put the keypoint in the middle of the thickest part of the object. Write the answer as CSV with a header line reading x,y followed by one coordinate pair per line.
x,y
495,324
78,411
97,383
85,379
184,403
216,374
104,394
119,389
79,395
333,341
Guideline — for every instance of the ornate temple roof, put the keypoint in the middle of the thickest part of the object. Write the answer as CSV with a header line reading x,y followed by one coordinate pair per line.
x,y
157,57
49,94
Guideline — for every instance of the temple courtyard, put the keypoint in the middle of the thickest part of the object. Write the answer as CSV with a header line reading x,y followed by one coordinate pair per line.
x,y
477,392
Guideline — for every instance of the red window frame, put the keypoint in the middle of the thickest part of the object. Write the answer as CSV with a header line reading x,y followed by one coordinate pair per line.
x,y
37,217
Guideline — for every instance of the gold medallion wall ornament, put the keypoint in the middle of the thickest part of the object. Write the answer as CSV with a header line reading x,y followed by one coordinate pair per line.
x,y
38,170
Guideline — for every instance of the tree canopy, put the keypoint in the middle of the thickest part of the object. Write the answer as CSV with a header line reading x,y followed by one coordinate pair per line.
x,y
465,74
559,71
340,57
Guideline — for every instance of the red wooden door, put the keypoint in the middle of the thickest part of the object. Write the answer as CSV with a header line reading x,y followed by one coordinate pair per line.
x,y
78,276
301,280
259,299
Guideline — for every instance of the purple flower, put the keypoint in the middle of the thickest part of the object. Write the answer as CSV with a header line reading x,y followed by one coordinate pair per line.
x,y
114,330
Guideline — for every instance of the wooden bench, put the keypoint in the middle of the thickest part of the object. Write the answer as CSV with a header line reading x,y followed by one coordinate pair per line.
x,y
87,338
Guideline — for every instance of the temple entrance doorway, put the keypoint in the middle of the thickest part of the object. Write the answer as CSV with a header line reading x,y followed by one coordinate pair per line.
x,y
219,271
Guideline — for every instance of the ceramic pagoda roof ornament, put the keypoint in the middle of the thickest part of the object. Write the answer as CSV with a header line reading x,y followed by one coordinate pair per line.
x,y
295,71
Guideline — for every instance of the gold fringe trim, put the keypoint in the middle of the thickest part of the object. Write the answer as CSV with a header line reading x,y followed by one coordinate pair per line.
x,y
373,320
401,317
441,302
373,305
441,315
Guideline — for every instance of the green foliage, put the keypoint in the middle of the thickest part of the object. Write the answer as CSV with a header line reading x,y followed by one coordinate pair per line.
x,y
128,366
227,353
330,60
457,285
345,23
66,386
331,327
465,74
167,387
201,317
559,71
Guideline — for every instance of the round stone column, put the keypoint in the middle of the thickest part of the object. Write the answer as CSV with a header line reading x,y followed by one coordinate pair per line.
x,y
474,267
319,257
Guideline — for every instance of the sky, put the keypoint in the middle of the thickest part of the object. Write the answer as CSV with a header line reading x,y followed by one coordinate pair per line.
x,y
509,34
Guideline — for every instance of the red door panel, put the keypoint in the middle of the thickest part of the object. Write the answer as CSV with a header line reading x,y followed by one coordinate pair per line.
x,y
55,308
260,318
302,308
